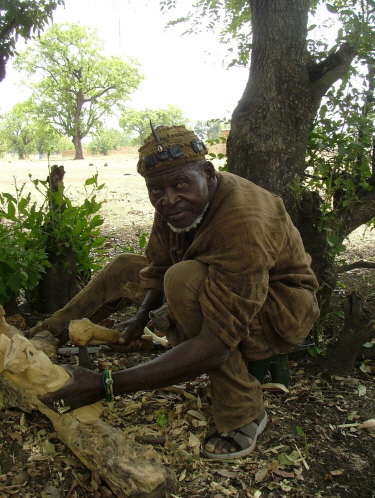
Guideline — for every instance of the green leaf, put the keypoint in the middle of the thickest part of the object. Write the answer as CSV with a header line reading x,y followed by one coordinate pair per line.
x,y
300,430
368,344
161,418
11,212
331,8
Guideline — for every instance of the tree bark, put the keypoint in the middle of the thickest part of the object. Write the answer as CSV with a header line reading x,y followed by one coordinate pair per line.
x,y
271,124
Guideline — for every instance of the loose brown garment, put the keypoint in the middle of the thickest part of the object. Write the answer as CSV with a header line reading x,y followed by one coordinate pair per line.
x,y
256,265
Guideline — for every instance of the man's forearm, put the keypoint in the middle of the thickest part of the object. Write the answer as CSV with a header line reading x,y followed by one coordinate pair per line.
x,y
153,299
180,364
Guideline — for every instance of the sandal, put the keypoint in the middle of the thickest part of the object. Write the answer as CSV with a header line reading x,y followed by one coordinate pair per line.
x,y
244,438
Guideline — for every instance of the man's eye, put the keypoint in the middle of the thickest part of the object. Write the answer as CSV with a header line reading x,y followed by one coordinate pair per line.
x,y
180,184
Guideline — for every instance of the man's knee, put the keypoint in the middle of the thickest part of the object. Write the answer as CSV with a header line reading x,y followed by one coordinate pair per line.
x,y
183,281
126,264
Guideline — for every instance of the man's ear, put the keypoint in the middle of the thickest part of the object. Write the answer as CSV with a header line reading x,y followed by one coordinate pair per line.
x,y
210,173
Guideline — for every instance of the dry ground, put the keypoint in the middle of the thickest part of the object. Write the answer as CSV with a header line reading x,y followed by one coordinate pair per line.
x,y
314,445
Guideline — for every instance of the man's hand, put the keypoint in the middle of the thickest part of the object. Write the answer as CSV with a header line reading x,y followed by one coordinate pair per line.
x,y
84,388
131,333
132,329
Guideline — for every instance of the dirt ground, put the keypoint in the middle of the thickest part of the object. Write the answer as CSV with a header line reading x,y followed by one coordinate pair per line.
x,y
316,443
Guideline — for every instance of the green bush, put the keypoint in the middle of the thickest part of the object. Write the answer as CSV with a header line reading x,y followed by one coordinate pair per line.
x,y
30,234
23,257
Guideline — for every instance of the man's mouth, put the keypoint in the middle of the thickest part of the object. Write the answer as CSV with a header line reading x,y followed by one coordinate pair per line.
x,y
175,215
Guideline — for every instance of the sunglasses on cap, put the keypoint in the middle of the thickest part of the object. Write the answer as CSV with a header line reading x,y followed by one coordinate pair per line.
x,y
173,152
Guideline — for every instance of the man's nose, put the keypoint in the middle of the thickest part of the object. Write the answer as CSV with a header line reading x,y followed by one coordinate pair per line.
x,y
170,197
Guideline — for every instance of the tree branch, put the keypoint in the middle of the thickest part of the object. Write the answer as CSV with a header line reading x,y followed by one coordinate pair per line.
x,y
359,211
326,72
99,94
353,266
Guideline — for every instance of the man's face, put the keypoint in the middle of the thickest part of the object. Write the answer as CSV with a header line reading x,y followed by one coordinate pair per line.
x,y
181,194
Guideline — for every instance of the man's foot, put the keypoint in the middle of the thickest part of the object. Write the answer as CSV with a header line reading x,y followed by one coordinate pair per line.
x,y
35,330
237,443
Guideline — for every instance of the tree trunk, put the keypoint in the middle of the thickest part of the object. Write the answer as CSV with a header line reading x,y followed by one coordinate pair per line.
x,y
271,124
77,134
78,147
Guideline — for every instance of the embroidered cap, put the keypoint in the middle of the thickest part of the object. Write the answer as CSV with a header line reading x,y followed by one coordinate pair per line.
x,y
167,147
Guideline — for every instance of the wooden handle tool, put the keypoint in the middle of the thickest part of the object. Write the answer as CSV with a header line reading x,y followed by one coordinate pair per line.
x,y
83,332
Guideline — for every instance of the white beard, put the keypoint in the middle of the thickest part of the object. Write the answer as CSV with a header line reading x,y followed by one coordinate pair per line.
x,y
193,225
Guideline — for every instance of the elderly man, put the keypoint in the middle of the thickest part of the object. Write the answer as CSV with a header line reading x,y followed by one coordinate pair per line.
x,y
225,257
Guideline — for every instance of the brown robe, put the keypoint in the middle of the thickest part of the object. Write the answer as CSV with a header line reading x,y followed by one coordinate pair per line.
x,y
256,265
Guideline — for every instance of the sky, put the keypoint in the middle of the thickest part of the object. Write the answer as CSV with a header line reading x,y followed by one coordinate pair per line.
x,y
186,71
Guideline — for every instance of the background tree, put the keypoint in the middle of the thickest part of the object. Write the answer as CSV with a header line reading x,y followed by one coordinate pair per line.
x,y
16,129
209,129
64,143
46,138
138,122
106,141
280,115
76,85
21,18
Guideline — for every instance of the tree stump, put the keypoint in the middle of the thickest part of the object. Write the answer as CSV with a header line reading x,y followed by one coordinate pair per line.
x,y
359,327
59,284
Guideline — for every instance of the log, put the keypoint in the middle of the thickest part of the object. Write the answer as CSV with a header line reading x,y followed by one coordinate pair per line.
x,y
129,469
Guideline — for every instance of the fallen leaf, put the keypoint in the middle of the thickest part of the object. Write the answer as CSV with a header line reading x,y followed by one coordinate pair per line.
x,y
338,472
274,386
49,448
369,425
182,476
282,473
289,459
261,474
196,414
226,473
